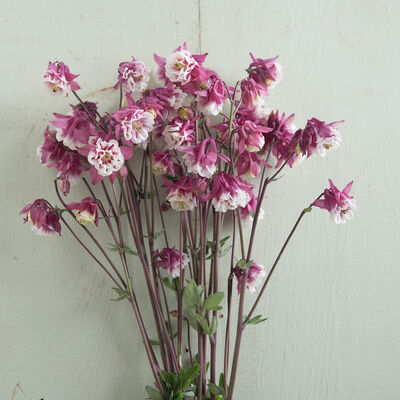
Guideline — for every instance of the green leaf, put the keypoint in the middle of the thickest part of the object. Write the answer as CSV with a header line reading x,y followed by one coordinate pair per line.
x,y
169,284
153,393
255,320
193,295
121,293
203,323
213,325
215,389
124,248
308,209
155,236
154,342
213,301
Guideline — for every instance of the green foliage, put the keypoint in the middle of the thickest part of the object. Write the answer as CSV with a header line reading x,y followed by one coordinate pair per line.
x,y
123,294
155,236
308,209
255,320
212,301
193,295
153,393
124,248
242,264
172,284
222,251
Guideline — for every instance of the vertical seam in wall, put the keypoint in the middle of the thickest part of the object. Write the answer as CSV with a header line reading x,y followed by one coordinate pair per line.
x,y
199,23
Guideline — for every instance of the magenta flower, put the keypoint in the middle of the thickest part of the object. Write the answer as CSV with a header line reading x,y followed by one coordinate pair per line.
x,y
172,260
178,133
133,76
317,137
59,79
211,99
228,192
248,211
74,130
340,204
86,211
250,91
51,151
255,274
202,159
250,136
163,163
267,73
181,194
248,164
106,159
169,96
70,167
134,123
44,220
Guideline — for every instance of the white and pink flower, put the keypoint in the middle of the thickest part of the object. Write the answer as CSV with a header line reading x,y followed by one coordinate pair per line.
x,y
172,260
163,163
181,194
212,99
86,211
255,274
338,203
133,76
59,79
178,133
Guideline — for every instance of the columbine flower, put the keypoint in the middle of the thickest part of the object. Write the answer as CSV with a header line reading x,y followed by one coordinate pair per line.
x,y
162,163
70,167
87,211
133,76
266,73
250,91
178,133
134,123
51,150
339,203
250,136
74,130
248,164
211,100
316,137
44,220
248,211
172,260
228,192
255,274
106,158
202,159
59,79
181,194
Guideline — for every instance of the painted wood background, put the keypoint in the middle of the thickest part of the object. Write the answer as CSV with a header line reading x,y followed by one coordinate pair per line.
x,y
334,318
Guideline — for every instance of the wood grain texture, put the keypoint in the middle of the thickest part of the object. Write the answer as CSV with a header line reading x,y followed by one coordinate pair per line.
x,y
334,321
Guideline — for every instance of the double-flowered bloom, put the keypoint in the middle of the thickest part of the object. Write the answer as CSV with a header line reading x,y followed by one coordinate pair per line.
x,y
171,260
255,274
181,193
59,79
86,211
133,76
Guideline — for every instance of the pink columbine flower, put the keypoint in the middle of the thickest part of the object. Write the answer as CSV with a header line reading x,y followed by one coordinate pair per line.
x,y
178,133
59,79
202,159
340,204
70,167
181,194
163,163
267,73
44,220
133,76
172,260
247,213
86,211
250,136
248,164
250,92
228,192
317,137
255,274
211,99
74,130
134,123
51,151
106,159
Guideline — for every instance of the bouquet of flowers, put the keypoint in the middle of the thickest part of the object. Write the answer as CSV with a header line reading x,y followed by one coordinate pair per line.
x,y
206,151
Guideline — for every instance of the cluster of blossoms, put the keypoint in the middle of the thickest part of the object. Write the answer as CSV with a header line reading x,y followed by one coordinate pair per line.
x,y
201,162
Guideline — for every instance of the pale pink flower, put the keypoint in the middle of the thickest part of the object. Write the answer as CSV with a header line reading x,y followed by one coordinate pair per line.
x,y
178,133
86,211
340,204
59,79
172,260
202,158
228,192
163,163
180,194
255,274
74,130
317,137
133,76
247,212
211,100
44,220
134,123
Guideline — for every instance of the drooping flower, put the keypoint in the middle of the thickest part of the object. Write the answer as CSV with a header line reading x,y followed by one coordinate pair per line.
x,y
202,159
70,167
255,274
340,204
317,137
134,123
86,211
178,133
44,220
106,159
248,211
181,194
51,150
250,136
228,192
267,73
250,91
59,79
248,164
172,260
163,163
133,76
211,99
74,130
